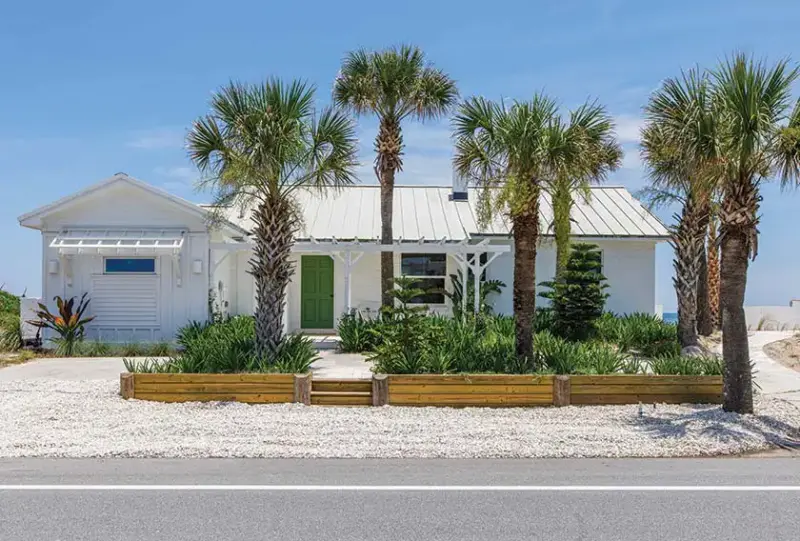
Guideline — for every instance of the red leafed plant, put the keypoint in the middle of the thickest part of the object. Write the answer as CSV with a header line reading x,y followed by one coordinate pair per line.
x,y
69,323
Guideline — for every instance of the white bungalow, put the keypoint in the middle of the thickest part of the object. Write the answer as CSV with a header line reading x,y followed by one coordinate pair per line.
x,y
151,262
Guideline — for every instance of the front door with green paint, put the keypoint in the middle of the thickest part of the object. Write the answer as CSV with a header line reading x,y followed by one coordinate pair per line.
x,y
316,292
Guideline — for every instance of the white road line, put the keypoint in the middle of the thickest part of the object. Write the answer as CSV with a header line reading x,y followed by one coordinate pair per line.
x,y
406,488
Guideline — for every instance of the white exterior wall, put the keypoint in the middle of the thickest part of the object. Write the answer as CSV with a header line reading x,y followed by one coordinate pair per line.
x,y
629,266
124,206
364,280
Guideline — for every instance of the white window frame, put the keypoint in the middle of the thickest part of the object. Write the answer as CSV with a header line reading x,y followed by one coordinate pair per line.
x,y
156,265
427,276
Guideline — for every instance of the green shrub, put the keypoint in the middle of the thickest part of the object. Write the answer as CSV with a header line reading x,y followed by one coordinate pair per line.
x,y
9,304
556,355
644,333
225,347
95,348
159,349
686,365
357,333
131,349
543,320
603,359
10,332
578,295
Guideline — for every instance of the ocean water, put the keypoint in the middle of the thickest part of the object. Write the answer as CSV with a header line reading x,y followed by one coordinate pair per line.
x,y
670,317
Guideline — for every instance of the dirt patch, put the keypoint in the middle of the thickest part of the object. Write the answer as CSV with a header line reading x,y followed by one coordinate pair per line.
x,y
786,352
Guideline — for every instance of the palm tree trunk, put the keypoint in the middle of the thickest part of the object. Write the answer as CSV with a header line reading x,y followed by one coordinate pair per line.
x,y
687,240
388,146
562,205
272,269
705,325
738,222
713,275
387,258
526,237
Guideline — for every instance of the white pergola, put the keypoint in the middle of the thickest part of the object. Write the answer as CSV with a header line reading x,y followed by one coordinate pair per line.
x,y
350,251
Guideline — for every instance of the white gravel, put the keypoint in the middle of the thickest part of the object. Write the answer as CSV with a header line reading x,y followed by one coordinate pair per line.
x,y
57,418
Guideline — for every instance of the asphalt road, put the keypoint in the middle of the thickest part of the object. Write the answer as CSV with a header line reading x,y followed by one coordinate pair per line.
x,y
465,500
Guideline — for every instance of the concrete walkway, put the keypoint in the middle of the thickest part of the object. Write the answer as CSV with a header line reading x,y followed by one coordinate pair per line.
x,y
331,365
773,379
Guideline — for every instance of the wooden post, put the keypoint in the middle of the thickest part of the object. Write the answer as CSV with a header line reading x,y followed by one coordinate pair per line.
x,y
380,389
126,388
562,389
302,389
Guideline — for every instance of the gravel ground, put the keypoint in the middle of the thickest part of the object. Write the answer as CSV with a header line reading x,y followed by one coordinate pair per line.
x,y
56,418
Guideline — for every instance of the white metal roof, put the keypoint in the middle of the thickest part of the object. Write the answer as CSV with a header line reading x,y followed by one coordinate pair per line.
x,y
426,212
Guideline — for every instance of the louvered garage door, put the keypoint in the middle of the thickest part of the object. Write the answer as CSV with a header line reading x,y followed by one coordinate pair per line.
x,y
125,301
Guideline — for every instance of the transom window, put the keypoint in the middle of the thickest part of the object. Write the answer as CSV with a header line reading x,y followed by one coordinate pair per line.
x,y
129,265
430,271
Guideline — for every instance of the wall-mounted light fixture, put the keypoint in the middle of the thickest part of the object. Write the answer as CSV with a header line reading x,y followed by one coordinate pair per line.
x,y
197,266
52,266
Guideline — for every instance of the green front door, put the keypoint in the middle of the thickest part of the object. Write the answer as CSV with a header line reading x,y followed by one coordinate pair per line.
x,y
316,292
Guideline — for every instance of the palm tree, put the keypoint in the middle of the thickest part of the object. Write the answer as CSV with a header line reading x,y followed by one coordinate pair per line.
x,y
257,147
513,153
679,146
759,138
392,84
591,122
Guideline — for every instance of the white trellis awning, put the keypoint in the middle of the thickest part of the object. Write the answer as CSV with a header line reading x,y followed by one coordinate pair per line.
x,y
119,241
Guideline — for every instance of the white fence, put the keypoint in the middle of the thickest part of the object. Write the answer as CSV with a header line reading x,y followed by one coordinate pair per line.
x,y
773,318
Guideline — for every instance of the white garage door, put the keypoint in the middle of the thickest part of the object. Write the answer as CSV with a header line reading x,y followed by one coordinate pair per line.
x,y
125,301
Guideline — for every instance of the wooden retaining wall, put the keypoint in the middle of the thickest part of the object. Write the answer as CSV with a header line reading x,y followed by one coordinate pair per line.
x,y
647,389
479,390
250,388
470,390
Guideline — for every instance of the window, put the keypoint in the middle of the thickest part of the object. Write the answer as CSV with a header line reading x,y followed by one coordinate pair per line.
x,y
132,265
431,270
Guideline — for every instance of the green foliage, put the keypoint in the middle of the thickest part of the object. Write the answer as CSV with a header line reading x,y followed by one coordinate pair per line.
x,y
488,287
543,319
645,334
224,347
556,355
357,332
578,296
9,304
679,365
159,349
95,348
68,323
10,331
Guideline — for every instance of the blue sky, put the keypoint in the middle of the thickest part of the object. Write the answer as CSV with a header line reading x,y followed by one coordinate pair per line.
x,y
92,88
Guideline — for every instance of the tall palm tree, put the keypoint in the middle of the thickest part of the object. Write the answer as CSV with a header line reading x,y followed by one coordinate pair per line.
x,y
679,147
601,149
257,147
393,84
512,153
759,138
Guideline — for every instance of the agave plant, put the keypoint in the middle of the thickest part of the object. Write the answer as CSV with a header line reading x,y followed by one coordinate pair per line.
x,y
69,322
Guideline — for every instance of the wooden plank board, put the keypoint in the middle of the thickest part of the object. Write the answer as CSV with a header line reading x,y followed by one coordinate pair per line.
x,y
469,399
480,379
340,385
434,389
684,389
341,400
232,387
639,379
213,378
646,399
208,397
